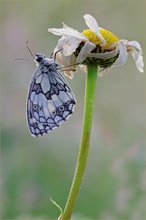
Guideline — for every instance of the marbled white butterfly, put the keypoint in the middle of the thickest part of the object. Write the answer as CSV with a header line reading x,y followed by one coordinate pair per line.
x,y
50,99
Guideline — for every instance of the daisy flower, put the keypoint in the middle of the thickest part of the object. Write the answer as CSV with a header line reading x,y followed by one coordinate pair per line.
x,y
93,48
94,45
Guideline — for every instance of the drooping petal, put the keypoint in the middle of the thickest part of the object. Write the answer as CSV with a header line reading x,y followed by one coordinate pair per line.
x,y
67,63
136,52
138,58
70,45
59,46
105,55
123,54
136,45
86,49
93,25
104,71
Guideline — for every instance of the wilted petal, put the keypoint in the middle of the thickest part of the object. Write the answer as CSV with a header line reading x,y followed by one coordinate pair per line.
x,y
70,45
68,32
106,70
136,52
67,63
59,46
83,68
136,45
123,55
86,49
105,55
138,58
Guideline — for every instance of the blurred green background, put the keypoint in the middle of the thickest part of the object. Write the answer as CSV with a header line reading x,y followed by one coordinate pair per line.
x,y
35,168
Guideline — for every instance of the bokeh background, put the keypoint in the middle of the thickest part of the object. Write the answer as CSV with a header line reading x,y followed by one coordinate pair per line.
x,y
33,169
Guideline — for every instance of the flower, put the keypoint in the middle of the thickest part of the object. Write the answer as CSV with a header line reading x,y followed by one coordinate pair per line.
x,y
94,45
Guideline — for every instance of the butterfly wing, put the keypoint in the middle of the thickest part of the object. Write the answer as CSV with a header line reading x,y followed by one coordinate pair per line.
x,y
50,101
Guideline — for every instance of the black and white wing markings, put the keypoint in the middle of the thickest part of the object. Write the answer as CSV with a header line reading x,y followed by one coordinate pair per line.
x,y
50,99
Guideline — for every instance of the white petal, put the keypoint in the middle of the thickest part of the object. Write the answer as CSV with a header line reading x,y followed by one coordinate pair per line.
x,y
57,31
136,45
60,44
138,58
123,55
140,64
62,60
65,26
70,45
93,25
106,55
74,32
83,68
106,70
68,32
86,49
66,64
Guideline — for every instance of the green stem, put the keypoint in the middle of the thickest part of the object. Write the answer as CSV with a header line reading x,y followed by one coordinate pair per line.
x,y
85,141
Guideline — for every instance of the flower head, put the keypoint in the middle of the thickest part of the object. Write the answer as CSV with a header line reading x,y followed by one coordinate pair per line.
x,y
94,45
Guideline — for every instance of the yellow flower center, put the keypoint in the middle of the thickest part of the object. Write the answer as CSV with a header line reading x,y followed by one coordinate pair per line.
x,y
109,37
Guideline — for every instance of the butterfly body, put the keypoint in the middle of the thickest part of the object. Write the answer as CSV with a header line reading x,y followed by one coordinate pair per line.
x,y
50,99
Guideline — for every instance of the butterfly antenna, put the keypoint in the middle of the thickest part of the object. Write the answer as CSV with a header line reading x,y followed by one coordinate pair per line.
x,y
29,50
55,54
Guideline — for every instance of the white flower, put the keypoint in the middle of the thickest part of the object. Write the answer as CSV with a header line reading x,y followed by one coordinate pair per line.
x,y
95,43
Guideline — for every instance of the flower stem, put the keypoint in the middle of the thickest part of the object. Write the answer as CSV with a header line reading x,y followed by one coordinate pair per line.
x,y
85,141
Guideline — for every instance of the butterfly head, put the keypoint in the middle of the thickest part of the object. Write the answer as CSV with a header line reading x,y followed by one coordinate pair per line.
x,y
42,60
39,57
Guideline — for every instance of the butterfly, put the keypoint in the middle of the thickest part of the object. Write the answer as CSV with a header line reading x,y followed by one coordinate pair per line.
x,y
50,100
